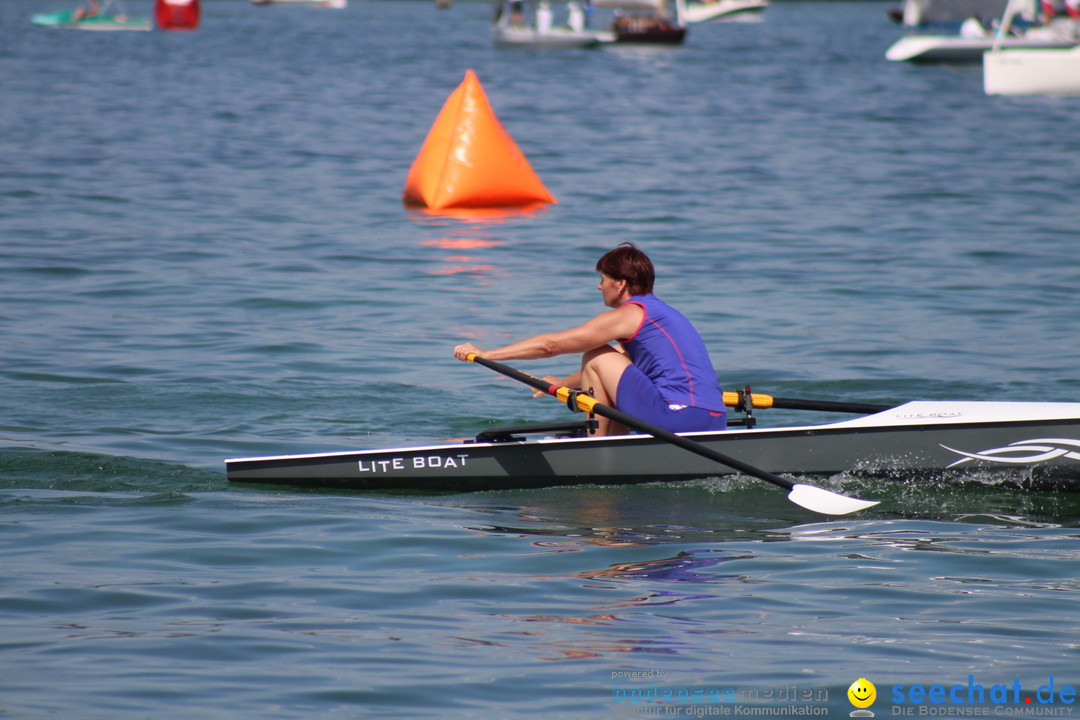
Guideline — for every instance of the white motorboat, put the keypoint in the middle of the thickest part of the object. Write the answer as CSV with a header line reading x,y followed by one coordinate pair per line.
x,y
530,24
1009,71
1032,72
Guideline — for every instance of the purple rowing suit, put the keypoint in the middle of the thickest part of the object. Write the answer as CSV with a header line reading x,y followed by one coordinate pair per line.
x,y
672,382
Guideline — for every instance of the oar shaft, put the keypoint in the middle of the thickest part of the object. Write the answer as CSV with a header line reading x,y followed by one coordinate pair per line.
x,y
585,403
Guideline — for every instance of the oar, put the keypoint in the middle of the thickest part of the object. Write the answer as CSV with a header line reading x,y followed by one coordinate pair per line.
x,y
810,497
759,400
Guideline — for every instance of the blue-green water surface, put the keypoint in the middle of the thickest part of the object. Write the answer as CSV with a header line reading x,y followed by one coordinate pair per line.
x,y
203,254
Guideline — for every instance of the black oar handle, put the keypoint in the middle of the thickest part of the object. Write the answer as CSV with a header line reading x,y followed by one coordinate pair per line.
x,y
589,404
738,400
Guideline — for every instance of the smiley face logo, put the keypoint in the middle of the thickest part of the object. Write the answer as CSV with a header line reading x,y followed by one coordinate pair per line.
x,y
862,693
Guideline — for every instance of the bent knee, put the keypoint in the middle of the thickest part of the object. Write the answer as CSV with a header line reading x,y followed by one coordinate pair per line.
x,y
605,354
605,366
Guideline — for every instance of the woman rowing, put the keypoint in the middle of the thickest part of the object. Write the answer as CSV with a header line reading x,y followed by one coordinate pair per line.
x,y
85,13
660,370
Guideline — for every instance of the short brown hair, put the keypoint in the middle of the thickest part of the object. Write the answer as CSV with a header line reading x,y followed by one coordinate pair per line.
x,y
628,263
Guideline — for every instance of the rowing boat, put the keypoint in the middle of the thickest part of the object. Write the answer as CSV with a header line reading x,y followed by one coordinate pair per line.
x,y
67,19
1032,444
110,16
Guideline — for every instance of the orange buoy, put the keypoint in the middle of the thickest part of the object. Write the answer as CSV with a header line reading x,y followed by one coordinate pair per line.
x,y
468,160
177,14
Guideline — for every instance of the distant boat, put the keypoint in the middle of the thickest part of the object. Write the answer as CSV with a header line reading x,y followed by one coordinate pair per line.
x,y
1043,71
92,16
645,21
1032,72
639,29
531,24
947,36
958,49
339,4
723,10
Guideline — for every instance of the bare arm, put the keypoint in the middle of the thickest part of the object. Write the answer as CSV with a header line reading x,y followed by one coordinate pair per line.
x,y
601,330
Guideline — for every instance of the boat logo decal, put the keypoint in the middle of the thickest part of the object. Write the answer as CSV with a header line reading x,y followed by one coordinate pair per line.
x,y
1023,452
416,462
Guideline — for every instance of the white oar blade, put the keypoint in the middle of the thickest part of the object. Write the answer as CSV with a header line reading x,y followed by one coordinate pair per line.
x,y
826,502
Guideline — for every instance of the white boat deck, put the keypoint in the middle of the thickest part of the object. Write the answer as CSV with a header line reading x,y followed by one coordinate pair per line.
x,y
929,412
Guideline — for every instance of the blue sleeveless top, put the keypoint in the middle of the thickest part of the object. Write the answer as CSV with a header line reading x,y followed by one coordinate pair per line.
x,y
671,353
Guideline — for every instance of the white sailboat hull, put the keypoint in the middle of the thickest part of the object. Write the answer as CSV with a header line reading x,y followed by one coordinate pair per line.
x,y
1032,72
723,10
956,49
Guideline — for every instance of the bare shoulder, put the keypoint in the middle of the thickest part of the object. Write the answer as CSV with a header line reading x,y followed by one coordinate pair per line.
x,y
632,311
611,325
626,318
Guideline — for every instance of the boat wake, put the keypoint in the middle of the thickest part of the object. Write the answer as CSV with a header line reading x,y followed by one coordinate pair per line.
x,y
64,470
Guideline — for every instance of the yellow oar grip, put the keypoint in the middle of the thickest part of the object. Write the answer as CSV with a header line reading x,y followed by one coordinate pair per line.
x,y
585,403
731,399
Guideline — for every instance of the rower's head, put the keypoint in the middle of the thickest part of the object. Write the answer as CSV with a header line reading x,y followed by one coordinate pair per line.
x,y
628,264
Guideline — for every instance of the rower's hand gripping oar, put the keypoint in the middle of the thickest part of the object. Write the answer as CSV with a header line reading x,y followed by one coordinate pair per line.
x,y
810,497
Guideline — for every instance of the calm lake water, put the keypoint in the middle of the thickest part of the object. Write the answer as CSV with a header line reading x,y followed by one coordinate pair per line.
x,y
205,255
